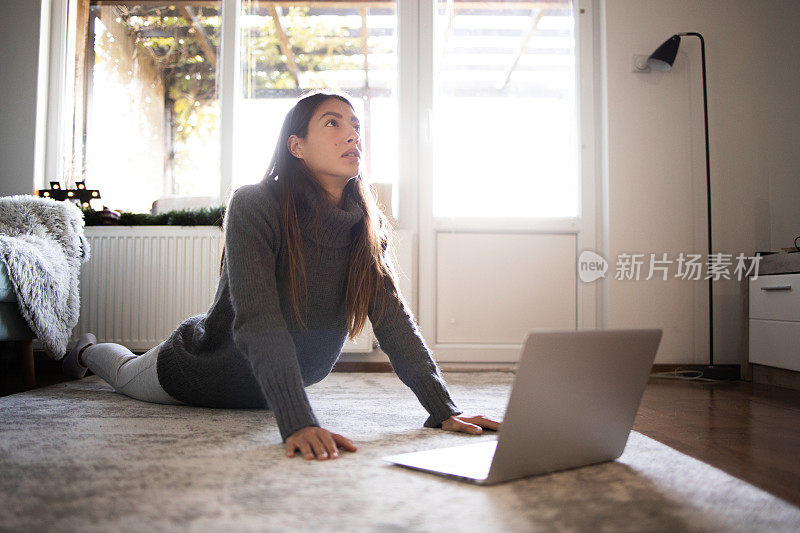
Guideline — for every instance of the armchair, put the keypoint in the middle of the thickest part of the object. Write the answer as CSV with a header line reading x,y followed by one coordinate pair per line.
x,y
42,246
14,329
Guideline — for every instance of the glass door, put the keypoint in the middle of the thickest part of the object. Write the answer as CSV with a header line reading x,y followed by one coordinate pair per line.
x,y
501,205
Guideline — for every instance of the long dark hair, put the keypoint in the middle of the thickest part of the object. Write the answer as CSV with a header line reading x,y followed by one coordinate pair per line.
x,y
372,254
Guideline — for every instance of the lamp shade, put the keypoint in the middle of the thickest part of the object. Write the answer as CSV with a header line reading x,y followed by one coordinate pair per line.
x,y
664,56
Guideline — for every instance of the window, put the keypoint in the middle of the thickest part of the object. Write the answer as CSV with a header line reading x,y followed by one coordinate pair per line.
x,y
147,111
504,110
148,97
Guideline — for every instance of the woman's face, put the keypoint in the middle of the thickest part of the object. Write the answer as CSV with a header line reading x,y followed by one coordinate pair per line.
x,y
332,148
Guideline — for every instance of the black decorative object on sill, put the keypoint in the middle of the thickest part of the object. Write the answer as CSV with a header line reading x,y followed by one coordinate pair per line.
x,y
80,194
207,216
109,217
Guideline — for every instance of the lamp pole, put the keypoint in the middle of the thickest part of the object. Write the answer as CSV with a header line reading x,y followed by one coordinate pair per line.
x,y
708,198
662,59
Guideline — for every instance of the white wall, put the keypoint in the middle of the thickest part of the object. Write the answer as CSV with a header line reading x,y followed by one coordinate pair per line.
x,y
656,159
21,159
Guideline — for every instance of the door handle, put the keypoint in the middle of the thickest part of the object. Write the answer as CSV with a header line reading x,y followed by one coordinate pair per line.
x,y
777,288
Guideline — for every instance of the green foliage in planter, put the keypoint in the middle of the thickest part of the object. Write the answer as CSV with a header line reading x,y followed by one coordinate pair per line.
x,y
206,216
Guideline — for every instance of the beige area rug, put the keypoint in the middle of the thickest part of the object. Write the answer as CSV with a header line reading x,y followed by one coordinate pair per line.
x,y
78,456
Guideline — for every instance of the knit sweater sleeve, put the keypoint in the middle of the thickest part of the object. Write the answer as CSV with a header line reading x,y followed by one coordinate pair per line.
x,y
259,329
400,338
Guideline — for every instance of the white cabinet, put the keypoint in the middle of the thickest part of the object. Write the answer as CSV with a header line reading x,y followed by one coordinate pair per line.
x,y
775,321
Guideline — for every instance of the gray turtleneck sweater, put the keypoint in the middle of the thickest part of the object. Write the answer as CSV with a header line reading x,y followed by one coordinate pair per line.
x,y
247,351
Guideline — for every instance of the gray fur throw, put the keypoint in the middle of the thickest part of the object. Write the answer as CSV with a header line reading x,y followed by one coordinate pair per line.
x,y
43,245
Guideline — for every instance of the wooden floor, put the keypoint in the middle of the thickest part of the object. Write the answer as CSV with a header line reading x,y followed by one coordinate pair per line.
x,y
749,431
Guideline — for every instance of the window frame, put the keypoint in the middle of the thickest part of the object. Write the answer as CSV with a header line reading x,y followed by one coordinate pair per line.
x,y
415,23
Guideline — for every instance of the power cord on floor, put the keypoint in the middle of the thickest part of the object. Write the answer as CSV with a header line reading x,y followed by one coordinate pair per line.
x,y
684,375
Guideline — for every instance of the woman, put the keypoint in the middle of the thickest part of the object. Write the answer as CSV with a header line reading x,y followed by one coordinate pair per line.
x,y
311,224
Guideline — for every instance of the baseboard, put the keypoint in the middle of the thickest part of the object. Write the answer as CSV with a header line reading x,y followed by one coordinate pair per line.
x,y
352,366
370,366
775,375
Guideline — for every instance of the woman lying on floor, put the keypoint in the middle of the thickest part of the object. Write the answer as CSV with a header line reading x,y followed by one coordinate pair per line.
x,y
311,222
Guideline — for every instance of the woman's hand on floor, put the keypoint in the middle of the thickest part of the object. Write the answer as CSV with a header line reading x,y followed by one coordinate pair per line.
x,y
470,424
312,441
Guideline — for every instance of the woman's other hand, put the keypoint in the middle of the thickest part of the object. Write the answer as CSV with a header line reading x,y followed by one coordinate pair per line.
x,y
470,424
313,441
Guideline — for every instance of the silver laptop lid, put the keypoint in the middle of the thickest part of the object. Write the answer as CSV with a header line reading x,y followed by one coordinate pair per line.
x,y
574,399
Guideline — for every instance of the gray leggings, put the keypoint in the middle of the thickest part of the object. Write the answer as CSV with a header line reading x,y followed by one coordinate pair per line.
x,y
129,374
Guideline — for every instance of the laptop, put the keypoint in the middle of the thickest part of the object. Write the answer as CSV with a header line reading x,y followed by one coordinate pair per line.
x,y
572,404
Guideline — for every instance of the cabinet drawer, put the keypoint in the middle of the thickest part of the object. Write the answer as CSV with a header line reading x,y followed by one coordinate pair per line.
x,y
775,343
775,297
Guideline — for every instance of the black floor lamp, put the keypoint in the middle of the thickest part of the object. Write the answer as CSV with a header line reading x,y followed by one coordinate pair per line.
x,y
662,59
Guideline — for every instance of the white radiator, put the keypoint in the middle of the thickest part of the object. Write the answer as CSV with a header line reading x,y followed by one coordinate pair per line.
x,y
142,281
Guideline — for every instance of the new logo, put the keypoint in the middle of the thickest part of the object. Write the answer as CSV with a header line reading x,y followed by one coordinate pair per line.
x,y
591,266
